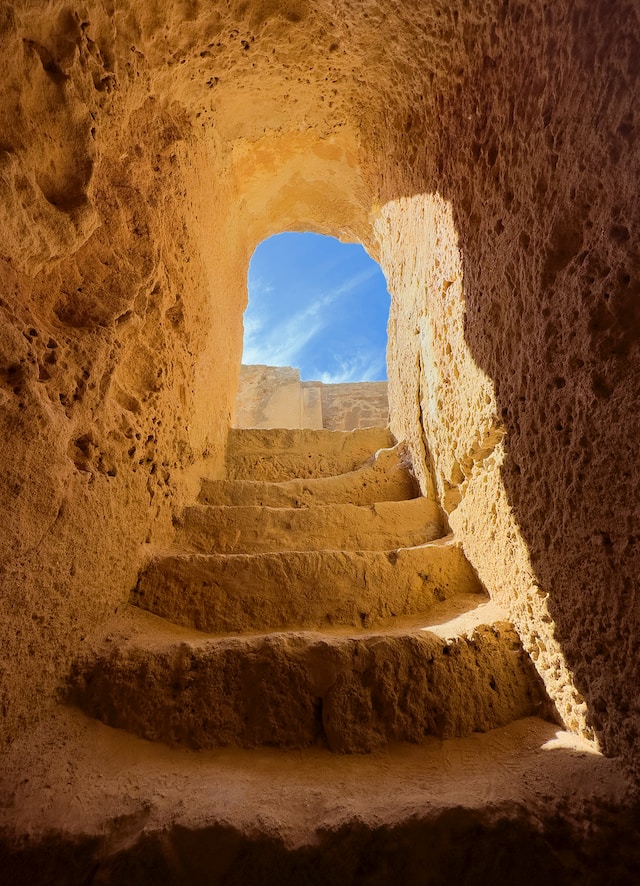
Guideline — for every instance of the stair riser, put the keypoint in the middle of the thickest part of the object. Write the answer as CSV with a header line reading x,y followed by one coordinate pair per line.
x,y
339,527
386,478
221,594
277,455
365,487
293,691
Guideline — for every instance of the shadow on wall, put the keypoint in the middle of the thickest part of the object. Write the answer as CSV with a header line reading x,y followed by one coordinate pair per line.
x,y
459,413
530,400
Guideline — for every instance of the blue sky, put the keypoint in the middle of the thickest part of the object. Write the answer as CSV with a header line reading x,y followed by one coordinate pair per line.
x,y
319,305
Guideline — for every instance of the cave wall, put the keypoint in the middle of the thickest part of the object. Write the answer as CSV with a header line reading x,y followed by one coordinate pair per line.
x,y
107,358
485,153
133,191
514,335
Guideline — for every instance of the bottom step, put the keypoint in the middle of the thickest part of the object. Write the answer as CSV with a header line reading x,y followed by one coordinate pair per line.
x,y
82,803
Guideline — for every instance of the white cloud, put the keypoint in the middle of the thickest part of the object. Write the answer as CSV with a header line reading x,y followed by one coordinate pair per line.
x,y
363,366
282,345
355,281
279,341
318,316
258,286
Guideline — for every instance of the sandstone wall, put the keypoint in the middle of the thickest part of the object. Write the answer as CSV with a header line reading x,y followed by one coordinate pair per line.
x,y
112,330
485,153
274,397
355,405
516,332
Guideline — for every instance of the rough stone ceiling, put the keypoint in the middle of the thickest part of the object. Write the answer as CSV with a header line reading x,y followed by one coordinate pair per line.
x,y
245,69
253,67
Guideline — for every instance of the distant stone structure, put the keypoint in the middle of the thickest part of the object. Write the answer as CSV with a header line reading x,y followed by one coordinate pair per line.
x,y
274,397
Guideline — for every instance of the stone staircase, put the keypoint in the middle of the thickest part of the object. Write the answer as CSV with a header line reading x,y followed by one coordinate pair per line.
x,y
315,593
310,687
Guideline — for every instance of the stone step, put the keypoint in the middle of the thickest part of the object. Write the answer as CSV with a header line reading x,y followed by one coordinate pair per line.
x,y
252,529
83,803
293,690
281,454
386,478
223,593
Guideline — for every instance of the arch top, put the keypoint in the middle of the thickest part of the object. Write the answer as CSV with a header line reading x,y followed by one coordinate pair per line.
x,y
303,181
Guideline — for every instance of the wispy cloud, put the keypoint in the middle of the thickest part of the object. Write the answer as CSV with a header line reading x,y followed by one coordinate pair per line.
x,y
355,282
259,287
280,342
317,305
283,344
364,366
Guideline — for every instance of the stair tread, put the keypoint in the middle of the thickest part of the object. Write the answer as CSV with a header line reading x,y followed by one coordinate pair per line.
x,y
449,618
318,440
385,478
252,528
157,552
123,793
280,454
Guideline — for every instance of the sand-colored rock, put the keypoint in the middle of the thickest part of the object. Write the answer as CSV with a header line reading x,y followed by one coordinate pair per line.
x,y
383,526
318,577
488,155
499,807
282,454
354,405
274,397
385,478
293,690
352,691
239,592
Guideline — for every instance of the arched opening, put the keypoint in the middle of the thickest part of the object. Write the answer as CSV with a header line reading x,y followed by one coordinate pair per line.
x,y
315,336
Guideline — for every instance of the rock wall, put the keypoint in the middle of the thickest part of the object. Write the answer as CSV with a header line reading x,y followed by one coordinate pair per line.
x,y
274,397
485,153
355,405
515,333
112,329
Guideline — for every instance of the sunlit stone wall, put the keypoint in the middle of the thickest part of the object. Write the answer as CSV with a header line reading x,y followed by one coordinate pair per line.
x,y
507,236
446,407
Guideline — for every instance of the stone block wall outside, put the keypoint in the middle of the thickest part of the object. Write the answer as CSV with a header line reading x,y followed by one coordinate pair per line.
x,y
274,397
